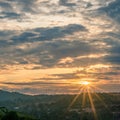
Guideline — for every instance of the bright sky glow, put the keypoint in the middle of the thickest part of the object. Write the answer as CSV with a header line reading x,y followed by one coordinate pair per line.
x,y
50,46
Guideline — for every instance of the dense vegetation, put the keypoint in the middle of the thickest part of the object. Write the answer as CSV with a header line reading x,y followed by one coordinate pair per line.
x,y
5,114
59,107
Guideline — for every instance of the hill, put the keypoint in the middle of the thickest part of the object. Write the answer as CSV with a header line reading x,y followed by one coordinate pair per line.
x,y
63,107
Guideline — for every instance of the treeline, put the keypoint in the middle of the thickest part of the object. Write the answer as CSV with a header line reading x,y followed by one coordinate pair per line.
x,y
5,114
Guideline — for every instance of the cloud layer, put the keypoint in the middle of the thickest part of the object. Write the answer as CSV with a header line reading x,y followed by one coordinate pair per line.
x,y
55,44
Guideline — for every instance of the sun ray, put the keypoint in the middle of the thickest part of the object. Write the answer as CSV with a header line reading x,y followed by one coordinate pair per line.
x,y
71,104
100,99
92,105
83,103
89,91
83,99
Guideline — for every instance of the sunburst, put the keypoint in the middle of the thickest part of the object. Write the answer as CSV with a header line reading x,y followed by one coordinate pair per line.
x,y
85,83
87,90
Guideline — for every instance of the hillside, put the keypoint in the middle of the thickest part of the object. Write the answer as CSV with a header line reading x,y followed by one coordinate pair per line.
x,y
61,107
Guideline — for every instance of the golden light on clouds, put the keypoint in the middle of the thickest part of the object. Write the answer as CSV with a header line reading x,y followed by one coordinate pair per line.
x,y
59,44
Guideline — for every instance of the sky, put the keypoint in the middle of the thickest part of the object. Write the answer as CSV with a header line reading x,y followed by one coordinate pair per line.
x,y
50,46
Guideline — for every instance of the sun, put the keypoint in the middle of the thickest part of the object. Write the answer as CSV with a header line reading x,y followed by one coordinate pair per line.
x,y
85,83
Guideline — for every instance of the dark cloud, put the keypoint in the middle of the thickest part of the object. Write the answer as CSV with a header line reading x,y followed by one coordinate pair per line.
x,y
10,15
6,6
46,47
83,62
31,83
57,77
113,59
17,9
66,3
100,73
49,54
113,34
116,68
26,5
61,49
66,76
113,56
48,34
39,34
112,10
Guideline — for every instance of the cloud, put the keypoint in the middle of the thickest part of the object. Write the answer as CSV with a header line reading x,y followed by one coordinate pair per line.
x,y
42,46
112,10
113,59
10,15
17,9
48,34
40,35
48,46
5,6
32,83
66,3
113,56
66,76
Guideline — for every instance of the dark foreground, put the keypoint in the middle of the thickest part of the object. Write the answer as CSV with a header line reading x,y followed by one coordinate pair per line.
x,y
100,106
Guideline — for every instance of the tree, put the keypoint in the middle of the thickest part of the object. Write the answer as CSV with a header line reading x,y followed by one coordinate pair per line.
x,y
11,116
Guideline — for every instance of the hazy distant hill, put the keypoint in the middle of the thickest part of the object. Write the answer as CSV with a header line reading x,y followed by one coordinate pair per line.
x,y
5,96
11,96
